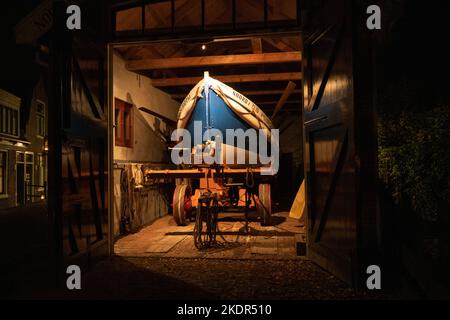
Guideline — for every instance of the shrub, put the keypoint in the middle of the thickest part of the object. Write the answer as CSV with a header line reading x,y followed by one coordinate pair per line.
x,y
414,159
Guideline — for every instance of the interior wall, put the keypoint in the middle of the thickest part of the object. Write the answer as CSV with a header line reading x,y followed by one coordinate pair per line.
x,y
138,90
144,204
290,174
291,142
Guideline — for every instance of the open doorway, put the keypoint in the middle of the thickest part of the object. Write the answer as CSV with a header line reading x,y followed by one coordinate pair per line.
x,y
149,82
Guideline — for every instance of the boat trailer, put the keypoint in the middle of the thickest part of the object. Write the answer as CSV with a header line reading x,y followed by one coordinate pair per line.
x,y
220,189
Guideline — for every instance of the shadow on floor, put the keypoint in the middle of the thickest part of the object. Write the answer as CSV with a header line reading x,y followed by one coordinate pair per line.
x,y
24,249
119,278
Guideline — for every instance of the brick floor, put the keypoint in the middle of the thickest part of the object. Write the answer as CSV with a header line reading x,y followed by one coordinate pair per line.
x,y
163,238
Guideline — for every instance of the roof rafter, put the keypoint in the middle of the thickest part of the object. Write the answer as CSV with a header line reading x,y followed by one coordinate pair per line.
x,y
261,77
222,60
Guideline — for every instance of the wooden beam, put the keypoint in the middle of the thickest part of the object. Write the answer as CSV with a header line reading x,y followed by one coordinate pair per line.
x,y
256,45
245,93
287,92
263,77
222,60
199,172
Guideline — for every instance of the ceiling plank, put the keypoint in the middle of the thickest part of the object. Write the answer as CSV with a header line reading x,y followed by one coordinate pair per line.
x,y
263,77
222,60
287,92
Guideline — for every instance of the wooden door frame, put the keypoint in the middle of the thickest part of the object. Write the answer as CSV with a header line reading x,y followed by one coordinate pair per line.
x,y
111,98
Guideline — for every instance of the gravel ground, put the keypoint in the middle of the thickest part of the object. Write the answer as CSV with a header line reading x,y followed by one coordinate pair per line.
x,y
185,279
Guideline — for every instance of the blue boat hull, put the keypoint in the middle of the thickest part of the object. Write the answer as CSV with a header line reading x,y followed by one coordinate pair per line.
x,y
215,115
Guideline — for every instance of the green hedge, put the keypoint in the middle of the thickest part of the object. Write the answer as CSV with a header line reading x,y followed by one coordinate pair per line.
x,y
414,159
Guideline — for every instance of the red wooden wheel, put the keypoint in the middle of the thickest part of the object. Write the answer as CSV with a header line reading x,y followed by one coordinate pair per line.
x,y
182,204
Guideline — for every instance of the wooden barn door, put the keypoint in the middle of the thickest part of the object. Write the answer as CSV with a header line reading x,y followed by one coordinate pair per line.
x,y
78,139
331,158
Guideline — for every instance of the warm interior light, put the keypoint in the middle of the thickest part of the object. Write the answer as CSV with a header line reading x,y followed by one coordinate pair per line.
x,y
203,47
45,144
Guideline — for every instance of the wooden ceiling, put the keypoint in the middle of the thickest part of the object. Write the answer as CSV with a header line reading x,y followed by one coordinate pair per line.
x,y
265,69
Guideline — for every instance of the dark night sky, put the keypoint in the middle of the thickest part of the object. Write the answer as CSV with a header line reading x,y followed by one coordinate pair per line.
x,y
17,63
418,51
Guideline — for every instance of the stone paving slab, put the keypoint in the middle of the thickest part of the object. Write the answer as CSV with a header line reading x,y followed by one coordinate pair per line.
x,y
264,245
164,244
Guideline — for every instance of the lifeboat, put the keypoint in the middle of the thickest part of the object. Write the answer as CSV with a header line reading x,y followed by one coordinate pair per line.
x,y
212,104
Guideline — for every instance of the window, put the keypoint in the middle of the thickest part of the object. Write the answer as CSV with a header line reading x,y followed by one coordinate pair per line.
x,y
158,16
9,114
29,157
40,119
24,177
9,121
129,19
188,14
3,173
218,14
41,187
282,10
42,172
123,121
249,14
20,157
29,179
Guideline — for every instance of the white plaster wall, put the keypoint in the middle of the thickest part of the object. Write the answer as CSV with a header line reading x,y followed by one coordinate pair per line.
x,y
138,90
147,145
